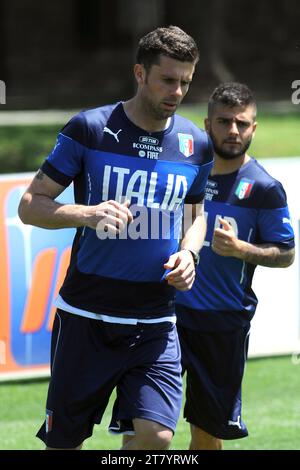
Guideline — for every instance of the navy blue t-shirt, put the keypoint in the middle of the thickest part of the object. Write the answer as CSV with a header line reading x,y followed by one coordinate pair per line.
x,y
255,205
108,157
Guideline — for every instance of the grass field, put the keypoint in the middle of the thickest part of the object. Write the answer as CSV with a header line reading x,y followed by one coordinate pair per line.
x,y
23,148
271,410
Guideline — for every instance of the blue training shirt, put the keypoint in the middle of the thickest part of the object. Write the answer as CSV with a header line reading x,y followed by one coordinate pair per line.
x,y
255,205
108,157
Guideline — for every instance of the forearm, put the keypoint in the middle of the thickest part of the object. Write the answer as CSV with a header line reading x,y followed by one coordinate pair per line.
x,y
268,255
194,234
42,211
182,264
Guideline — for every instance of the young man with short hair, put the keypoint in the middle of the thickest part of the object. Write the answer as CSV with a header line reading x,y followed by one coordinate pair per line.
x,y
248,224
134,165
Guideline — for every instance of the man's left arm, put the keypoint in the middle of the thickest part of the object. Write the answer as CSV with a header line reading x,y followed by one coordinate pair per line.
x,y
225,243
182,263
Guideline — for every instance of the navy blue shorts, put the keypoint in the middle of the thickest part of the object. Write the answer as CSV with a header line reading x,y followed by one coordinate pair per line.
x,y
90,357
215,362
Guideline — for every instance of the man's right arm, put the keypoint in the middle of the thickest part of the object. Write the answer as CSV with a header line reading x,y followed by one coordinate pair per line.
x,y
38,207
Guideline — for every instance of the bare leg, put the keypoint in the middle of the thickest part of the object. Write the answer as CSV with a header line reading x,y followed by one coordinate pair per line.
x,y
201,440
149,435
126,439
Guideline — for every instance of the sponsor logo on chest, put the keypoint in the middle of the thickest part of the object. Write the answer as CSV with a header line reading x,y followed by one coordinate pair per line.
x,y
148,147
211,190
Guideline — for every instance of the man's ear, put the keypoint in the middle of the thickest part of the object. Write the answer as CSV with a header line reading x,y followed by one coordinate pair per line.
x,y
254,129
139,73
207,124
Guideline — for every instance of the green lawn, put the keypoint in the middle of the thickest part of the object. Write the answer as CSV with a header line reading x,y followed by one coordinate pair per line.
x,y
23,148
271,411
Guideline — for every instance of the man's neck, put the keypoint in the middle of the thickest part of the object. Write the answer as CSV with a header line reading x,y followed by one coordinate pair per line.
x,y
225,167
135,111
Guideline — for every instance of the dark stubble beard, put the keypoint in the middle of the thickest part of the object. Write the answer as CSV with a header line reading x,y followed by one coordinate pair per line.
x,y
157,113
230,154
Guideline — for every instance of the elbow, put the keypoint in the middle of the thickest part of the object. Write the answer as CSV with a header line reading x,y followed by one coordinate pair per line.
x,y
290,262
24,209
290,258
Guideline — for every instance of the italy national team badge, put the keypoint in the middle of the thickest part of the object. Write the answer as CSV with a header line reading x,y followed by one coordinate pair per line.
x,y
244,188
49,420
186,144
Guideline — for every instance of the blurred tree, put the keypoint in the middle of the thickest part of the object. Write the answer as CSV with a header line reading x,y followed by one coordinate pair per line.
x,y
77,53
205,22
214,31
3,68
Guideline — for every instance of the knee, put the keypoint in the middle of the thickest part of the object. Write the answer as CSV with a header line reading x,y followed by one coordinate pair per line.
x,y
153,436
155,440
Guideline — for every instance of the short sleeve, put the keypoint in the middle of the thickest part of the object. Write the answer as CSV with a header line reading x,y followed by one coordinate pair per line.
x,y
274,220
64,163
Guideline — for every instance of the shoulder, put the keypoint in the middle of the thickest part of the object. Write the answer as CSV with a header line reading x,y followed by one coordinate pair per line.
x,y
261,176
184,125
99,116
267,188
83,125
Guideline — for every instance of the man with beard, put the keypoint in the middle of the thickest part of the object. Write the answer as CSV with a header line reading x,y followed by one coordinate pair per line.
x,y
134,165
248,224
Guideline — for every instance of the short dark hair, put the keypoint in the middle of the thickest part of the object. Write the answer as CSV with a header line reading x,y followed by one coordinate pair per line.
x,y
170,41
231,94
